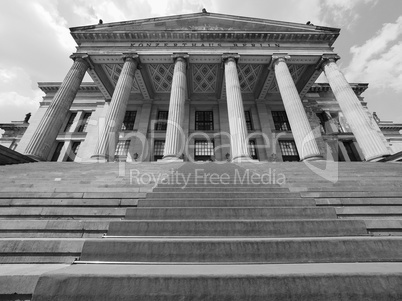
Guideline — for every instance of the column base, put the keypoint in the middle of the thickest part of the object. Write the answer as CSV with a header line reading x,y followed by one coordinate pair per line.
x,y
170,159
99,158
313,158
244,159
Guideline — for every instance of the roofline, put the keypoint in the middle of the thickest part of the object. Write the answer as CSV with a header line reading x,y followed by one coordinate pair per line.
x,y
165,18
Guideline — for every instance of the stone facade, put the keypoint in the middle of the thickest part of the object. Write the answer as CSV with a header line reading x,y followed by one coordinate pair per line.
x,y
173,88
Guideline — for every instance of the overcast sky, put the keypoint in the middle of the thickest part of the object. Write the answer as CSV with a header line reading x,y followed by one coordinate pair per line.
x,y
36,43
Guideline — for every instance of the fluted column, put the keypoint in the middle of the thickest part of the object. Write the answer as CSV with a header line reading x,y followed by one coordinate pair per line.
x,y
49,126
301,129
237,120
174,141
363,128
109,135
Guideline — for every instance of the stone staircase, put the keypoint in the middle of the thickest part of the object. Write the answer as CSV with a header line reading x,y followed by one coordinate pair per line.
x,y
268,231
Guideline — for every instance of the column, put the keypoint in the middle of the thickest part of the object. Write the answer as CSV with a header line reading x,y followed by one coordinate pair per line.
x,y
301,129
362,127
174,142
237,121
109,135
45,134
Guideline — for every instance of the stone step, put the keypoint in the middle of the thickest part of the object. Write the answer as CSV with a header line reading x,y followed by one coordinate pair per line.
x,y
267,202
390,212
244,228
226,213
383,227
61,212
234,194
318,281
351,194
221,189
72,195
18,281
208,185
52,228
67,188
251,250
40,250
359,201
31,202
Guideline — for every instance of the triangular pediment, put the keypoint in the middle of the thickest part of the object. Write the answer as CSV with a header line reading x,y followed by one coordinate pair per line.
x,y
204,22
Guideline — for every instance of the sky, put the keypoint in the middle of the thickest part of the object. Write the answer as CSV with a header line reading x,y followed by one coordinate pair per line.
x,y
36,42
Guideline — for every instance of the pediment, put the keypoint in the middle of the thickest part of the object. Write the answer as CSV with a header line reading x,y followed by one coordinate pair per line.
x,y
204,22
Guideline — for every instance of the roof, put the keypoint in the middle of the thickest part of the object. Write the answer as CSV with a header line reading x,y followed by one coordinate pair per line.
x,y
208,26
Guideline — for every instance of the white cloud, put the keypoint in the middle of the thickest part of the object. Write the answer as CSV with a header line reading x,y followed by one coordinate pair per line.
x,y
50,16
379,60
343,13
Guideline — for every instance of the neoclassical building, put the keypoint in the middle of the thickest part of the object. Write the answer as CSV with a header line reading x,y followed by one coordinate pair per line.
x,y
204,86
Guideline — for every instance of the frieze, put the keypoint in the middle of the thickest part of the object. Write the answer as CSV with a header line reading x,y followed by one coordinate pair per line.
x,y
202,45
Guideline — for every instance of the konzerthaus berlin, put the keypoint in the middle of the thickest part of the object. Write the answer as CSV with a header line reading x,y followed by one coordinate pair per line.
x,y
204,86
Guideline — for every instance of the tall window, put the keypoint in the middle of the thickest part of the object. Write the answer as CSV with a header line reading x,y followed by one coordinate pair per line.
x,y
252,149
84,123
57,151
161,124
74,150
249,124
159,146
281,121
129,120
122,148
289,150
70,122
204,150
204,121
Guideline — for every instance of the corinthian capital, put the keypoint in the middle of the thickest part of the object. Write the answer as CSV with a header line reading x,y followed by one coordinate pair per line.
x,y
280,57
82,57
230,56
327,58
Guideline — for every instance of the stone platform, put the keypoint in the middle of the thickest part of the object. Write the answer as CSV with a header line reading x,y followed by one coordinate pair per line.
x,y
185,231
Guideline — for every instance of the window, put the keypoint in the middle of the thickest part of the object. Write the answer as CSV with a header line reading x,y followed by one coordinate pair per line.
x,y
281,121
84,122
162,121
289,150
248,120
74,150
159,146
122,148
204,121
204,150
252,149
70,122
129,120
57,151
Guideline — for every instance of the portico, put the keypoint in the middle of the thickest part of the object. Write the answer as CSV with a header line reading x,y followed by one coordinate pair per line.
x,y
201,85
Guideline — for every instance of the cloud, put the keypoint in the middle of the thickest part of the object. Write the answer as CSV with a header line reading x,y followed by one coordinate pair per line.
x,y
17,97
379,60
343,13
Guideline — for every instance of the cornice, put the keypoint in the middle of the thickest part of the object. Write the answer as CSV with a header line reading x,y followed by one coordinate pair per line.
x,y
358,88
204,35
